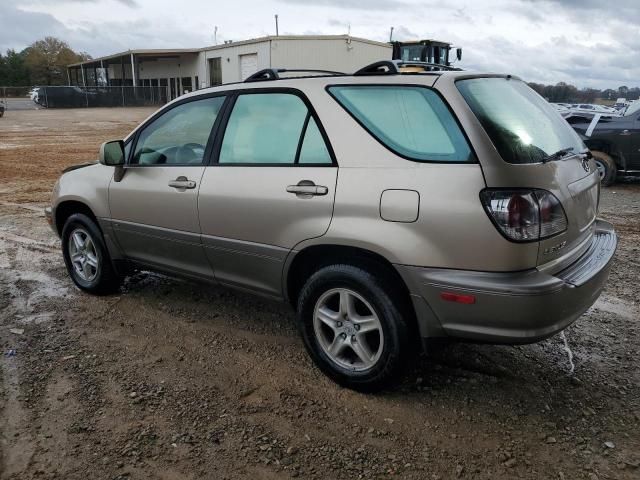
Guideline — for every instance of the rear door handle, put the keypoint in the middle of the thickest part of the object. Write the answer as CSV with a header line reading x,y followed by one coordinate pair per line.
x,y
625,132
182,183
306,188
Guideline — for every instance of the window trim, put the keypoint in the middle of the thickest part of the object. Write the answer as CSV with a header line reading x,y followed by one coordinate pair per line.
x,y
214,160
166,109
473,157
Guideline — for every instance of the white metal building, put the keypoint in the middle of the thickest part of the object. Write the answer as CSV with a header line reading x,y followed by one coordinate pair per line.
x,y
182,70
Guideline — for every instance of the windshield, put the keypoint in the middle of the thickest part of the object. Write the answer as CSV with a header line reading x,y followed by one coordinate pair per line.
x,y
412,53
523,126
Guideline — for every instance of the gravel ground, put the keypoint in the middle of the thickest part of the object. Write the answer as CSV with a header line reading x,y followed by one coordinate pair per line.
x,y
176,380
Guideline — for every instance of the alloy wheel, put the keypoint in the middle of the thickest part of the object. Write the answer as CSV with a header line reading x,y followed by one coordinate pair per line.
x,y
348,329
83,255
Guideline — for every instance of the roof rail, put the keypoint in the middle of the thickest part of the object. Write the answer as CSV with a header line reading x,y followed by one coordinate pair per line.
x,y
393,67
274,73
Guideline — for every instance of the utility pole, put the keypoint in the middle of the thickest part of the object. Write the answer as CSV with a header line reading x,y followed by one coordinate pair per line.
x,y
277,33
391,35
215,35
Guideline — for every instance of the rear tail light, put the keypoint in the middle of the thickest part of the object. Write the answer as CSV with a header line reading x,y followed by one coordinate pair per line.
x,y
525,215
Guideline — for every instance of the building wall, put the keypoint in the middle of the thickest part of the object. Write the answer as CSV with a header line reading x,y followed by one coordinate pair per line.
x,y
343,55
230,59
183,66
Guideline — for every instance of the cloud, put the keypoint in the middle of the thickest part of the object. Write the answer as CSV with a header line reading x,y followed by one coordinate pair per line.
x,y
583,42
352,4
128,3
19,29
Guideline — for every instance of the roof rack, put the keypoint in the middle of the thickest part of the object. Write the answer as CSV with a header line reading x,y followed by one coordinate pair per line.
x,y
393,67
274,73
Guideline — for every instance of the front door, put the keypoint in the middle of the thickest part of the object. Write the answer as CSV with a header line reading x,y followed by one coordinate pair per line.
x,y
633,137
272,187
154,208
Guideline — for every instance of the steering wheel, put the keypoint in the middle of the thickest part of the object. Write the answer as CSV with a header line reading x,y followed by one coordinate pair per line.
x,y
188,153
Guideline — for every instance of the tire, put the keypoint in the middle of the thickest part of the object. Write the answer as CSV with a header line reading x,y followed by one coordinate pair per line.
x,y
370,297
606,168
93,271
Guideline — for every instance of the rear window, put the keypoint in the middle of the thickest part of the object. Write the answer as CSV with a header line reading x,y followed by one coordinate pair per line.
x,y
411,121
523,126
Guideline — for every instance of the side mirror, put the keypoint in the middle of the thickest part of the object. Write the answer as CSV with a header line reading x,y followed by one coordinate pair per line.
x,y
459,54
112,153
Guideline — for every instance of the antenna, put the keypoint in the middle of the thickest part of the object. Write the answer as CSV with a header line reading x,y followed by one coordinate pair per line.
x,y
277,25
391,35
349,29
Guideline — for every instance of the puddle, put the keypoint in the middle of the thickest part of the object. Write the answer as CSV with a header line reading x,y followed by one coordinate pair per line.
x,y
619,307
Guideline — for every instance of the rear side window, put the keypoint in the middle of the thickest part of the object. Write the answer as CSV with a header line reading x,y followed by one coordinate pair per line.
x,y
411,121
272,128
313,149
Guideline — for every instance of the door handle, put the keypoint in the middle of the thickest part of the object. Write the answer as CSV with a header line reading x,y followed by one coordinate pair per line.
x,y
625,132
306,189
182,183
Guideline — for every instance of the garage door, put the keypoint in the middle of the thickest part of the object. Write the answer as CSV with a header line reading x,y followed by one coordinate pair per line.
x,y
248,65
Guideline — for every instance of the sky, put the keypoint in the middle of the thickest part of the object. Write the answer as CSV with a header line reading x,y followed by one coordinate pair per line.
x,y
589,43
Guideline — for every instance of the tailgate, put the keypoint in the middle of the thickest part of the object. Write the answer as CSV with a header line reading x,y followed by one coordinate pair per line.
x,y
577,190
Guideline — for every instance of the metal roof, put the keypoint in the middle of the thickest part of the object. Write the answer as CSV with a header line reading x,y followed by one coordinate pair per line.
x,y
155,52
296,37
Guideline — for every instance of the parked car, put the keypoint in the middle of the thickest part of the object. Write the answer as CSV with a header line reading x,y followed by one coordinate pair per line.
x,y
613,141
563,109
3,107
384,208
34,94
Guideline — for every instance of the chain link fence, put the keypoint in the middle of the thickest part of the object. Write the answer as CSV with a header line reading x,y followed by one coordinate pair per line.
x,y
25,98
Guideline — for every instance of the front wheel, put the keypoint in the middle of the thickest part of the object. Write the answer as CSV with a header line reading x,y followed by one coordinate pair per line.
x,y
606,167
86,256
353,327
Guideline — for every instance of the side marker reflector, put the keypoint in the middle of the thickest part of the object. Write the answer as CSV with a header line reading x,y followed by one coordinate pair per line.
x,y
455,297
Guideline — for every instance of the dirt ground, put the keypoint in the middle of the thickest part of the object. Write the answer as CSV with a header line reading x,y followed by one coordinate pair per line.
x,y
176,380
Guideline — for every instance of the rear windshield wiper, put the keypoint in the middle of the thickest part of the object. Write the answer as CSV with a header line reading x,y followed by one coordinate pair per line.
x,y
558,155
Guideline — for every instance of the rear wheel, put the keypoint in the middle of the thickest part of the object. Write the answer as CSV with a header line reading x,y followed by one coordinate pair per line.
x,y
352,325
606,167
86,256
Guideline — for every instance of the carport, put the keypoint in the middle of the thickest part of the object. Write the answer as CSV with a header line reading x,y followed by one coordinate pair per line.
x,y
175,69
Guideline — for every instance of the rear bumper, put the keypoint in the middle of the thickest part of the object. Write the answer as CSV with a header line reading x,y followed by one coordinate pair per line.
x,y
520,307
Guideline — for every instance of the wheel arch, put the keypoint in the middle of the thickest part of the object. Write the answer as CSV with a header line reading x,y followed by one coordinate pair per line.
x,y
67,208
310,259
606,146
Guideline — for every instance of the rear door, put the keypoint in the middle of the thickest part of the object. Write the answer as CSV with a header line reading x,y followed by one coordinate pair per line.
x,y
271,186
154,208
631,135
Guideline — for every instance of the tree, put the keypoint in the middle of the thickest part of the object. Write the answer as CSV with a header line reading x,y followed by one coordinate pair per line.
x,y
47,61
13,70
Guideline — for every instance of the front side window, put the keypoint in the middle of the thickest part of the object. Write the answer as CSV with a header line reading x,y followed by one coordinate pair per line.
x,y
272,128
179,136
522,125
412,121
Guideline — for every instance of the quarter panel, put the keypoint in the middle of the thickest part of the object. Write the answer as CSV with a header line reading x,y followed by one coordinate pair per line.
x,y
452,230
